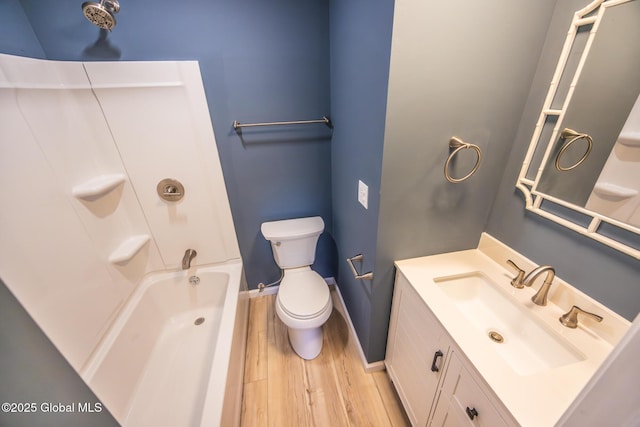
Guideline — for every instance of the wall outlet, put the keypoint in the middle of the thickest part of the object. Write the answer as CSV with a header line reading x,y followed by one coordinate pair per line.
x,y
363,194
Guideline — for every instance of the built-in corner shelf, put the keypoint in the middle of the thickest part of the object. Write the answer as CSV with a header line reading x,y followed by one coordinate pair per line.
x,y
128,249
631,139
613,191
98,187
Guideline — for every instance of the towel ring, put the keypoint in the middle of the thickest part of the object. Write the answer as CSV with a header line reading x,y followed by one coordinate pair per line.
x,y
457,144
573,136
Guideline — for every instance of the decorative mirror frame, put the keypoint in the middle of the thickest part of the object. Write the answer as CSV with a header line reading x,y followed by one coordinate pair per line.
x,y
583,221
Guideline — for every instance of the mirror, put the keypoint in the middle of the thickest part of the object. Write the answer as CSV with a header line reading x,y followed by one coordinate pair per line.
x,y
582,169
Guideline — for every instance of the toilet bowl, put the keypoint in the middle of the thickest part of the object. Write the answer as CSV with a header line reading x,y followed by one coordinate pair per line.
x,y
303,302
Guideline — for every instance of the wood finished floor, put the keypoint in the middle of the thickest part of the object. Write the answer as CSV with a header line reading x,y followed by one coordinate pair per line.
x,y
281,389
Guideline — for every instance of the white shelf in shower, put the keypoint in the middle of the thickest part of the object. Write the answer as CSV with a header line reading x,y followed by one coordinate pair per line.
x,y
128,249
98,186
630,138
605,189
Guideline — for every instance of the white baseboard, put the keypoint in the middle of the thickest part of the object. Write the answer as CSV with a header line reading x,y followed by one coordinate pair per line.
x,y
368,367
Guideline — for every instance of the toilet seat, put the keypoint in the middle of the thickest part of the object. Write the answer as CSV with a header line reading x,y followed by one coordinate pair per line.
x,y
303,294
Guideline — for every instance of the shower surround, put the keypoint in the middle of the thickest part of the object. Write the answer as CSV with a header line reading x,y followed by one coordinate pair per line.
x,y
84,146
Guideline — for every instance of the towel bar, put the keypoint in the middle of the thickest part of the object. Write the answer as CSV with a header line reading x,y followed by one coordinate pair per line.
x,y
237,125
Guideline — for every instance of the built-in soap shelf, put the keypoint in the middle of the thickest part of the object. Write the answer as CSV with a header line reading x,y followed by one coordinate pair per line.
x,y
98,187
128,249
613,191
630,138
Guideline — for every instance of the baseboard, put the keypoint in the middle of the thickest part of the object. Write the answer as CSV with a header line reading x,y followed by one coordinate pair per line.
x,y
368,367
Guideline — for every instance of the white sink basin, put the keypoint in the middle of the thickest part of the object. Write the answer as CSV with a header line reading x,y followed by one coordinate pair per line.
x,y
528,345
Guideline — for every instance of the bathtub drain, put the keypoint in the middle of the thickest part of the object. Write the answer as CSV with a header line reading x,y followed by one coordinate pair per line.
x,y
199,321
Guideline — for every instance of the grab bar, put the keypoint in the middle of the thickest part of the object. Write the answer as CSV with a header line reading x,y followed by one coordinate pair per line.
x,y
237,125
457,144
365,276
573,136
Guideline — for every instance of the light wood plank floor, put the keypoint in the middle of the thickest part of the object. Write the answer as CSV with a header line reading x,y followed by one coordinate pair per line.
x,y
281,389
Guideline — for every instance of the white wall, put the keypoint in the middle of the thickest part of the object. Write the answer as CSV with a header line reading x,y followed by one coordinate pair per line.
x,y
57,132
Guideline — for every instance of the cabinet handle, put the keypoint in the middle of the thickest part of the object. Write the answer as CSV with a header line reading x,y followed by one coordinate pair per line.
x,y
472,413
437,354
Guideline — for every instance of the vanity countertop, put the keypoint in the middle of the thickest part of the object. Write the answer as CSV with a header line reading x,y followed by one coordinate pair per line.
x,y
535,399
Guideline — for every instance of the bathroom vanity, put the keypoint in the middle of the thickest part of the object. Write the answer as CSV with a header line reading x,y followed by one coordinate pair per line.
x,y
465,346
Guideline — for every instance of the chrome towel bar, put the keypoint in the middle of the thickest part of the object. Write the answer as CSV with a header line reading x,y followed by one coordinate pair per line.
x,y
457,144
237,125
365,276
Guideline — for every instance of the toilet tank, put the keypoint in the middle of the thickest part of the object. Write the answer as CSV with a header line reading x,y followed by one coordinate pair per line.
x,y
293,241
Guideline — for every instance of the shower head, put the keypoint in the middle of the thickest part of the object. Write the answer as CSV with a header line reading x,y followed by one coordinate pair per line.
x,y
101,14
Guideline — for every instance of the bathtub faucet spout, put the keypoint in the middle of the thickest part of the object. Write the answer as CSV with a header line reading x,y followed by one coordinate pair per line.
x,y
189,254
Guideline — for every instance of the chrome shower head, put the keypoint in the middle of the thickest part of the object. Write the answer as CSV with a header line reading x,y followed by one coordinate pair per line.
x,y
101,14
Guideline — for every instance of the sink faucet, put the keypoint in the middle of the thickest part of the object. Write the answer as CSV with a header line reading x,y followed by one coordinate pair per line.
x,y
520,281
189,254
540,298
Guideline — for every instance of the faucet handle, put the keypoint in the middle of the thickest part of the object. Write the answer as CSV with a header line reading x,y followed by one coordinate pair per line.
x,y
517,282
570,318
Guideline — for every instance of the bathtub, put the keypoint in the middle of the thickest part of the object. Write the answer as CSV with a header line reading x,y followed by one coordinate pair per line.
x,y
175,354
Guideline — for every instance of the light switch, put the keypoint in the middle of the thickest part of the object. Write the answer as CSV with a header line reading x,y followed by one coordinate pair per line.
x,y
363,194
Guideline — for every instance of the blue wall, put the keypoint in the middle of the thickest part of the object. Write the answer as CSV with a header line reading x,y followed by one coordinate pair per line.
x,y
260,62
16,35
360,52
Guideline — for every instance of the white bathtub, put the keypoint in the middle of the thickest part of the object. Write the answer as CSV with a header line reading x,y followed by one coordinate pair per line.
x,y
157,367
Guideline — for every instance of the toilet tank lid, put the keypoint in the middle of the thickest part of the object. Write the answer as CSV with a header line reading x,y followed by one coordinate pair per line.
x,y
296,228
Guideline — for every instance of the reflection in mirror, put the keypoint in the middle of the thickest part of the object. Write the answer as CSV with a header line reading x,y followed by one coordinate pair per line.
x,y
606,91
596,93
615,193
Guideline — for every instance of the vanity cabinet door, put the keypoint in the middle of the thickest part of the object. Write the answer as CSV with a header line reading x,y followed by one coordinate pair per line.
x,y
463,402
417,350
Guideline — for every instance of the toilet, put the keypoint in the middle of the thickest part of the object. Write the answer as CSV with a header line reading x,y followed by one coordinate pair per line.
x,y
303,302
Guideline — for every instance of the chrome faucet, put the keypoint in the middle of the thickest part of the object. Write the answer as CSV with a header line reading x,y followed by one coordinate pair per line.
x,y
520,281
540,298
570,318
189,254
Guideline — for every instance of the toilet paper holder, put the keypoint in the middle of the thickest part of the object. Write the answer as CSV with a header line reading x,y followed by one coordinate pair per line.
x,y
358,276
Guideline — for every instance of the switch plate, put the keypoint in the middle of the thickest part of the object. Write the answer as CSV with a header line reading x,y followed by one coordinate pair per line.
x,y
363,194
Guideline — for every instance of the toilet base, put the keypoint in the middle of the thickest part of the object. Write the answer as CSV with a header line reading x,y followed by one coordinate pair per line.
x,y
307,343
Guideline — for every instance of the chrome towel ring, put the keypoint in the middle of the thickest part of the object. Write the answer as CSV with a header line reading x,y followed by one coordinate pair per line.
x,y
573,136
457,144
